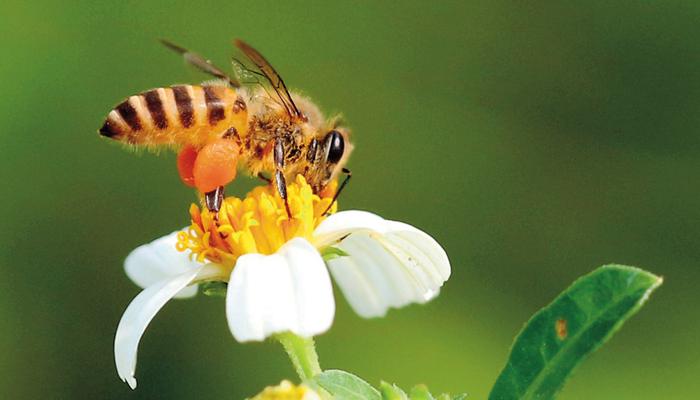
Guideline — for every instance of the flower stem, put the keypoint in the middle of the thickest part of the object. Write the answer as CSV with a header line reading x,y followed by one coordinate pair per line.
x,y
302,352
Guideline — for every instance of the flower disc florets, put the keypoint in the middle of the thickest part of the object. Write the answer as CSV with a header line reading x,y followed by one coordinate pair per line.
x,y
256,224
287,391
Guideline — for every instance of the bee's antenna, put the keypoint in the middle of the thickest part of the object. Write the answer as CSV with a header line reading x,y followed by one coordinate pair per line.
x,y
348,175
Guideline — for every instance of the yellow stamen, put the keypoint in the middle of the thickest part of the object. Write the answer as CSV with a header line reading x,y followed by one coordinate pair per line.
x,y
287,391
256,224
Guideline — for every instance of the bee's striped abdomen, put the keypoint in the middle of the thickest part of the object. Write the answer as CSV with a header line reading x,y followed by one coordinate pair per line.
x,y
177,115
183,105
155,108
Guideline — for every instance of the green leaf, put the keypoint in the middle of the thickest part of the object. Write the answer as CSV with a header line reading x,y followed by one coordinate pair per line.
x,y
214,288
346,386
331,252
558,337
392,392
446,396
420,392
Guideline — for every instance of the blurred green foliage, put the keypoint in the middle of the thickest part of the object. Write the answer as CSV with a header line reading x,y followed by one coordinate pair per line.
x,y
533,140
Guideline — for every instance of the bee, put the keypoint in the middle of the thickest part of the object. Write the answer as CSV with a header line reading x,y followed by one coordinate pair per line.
x,y
223,125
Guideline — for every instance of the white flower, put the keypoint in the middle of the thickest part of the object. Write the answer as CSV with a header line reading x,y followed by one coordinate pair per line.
x,y
387,264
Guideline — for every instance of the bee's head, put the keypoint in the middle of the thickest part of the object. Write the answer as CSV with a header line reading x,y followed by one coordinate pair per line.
x,y
330,148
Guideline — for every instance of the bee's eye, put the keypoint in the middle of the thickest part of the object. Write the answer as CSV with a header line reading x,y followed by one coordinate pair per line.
x,y
335,146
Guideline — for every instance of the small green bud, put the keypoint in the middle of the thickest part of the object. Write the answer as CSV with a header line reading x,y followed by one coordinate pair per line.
x,y
214,288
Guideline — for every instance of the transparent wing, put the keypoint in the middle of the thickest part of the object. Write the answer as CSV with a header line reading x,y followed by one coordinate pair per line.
x,y
259,70
200,63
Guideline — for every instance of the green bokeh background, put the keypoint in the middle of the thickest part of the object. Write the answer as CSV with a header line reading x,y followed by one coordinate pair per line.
x,y
534,141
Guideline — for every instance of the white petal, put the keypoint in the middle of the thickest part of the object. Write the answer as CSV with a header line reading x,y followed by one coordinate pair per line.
x,y
342,223
286,291
160,260
138,315
389,263
426,245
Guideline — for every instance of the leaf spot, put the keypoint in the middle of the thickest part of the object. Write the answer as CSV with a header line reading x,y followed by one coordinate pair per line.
x,y
561,329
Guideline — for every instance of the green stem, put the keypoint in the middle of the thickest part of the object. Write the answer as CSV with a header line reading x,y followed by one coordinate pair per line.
x,y
302,352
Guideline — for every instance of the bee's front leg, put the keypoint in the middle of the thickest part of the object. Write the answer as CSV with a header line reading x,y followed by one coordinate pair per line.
x,y
279,174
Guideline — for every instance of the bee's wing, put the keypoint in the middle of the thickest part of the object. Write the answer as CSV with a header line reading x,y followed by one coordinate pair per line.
x,y
271,78
200,63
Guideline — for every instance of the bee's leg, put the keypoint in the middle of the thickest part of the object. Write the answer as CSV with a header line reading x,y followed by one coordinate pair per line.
x,y
282,189
264,178
214,199
279,174
348,175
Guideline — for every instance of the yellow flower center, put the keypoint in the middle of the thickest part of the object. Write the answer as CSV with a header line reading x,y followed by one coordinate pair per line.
x,y
256,224
287,391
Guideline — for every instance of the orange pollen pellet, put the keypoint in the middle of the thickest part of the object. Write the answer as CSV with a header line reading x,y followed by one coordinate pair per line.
x,y
185,165
216,164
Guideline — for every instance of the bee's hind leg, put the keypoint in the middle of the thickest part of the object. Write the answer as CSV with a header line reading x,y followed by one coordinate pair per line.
x,y
214,199
279,175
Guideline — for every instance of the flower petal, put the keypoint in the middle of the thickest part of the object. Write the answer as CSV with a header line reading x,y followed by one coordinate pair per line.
x,y
158,260
286,291
340,224
138,315
389,263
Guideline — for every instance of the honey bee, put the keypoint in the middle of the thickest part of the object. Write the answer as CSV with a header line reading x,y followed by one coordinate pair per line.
x,y
222,125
